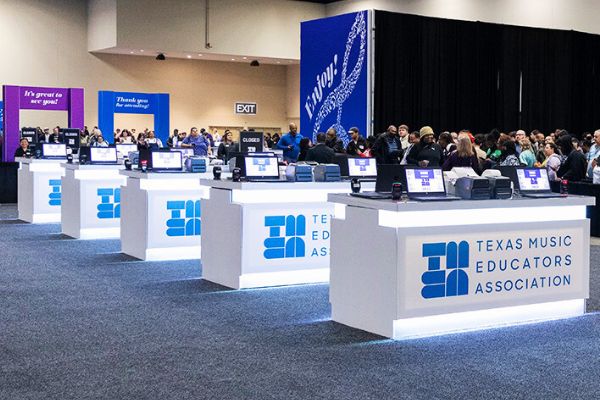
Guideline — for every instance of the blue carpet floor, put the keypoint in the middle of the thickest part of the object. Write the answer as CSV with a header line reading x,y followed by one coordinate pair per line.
x,y
79,320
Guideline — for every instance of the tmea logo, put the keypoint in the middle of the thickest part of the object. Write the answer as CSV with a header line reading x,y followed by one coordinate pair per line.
x,y
54,197
245,108
108,209
451,281
286,244
185,218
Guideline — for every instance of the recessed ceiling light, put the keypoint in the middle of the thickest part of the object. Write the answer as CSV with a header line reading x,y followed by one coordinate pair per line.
x,y
199,55
245,58
233,59
131,52
188,56
278,62
141,51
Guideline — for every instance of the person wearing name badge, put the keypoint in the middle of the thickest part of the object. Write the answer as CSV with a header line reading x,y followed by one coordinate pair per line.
x,y
226,146
100,142
357,144
196,141
23,148
290,144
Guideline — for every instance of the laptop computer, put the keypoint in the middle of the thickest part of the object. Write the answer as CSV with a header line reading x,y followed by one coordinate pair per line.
x,y
54,151
124,149
261,168
387,174
363,168
426,184
166,161
103,155
534,182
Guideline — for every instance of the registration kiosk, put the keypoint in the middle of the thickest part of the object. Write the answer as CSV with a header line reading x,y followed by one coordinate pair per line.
x,y
420,269
260,234
91,205
39,189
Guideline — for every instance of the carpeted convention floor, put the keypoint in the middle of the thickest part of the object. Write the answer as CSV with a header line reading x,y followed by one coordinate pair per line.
x,y
79,320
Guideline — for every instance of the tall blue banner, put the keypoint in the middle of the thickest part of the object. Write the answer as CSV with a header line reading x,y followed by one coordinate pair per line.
x,y
334,75
1,118
156,104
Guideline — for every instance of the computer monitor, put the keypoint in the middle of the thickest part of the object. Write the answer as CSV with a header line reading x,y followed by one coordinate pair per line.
x,y
185,151
362,167
533,179
387,174
263,167
425,181
103,155
125,148
166,160
54,150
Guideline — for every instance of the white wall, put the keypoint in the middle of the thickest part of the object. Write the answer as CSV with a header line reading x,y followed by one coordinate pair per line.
x,y
102,24
52,51
257,28
580,15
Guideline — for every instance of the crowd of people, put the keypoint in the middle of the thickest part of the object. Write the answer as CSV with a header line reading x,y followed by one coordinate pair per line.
x,y
563,155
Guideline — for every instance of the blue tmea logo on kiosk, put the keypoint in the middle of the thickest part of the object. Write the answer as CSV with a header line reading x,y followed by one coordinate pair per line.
x,y
451,280
185,218
110,203
54,197
286,243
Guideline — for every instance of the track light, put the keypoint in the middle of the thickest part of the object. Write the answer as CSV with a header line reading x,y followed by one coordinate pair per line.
x,y
161,57
254,63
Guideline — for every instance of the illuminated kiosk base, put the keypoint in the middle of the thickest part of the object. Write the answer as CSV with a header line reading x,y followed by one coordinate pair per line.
x,y
160,215
260,234
404,283
39,191
90,206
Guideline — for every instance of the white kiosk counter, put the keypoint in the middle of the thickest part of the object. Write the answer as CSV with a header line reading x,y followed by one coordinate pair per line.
x,y
262,234
91,203
161,215
39,189
406,270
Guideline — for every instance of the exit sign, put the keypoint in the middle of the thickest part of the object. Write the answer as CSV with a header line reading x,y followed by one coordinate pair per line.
x,y
245,108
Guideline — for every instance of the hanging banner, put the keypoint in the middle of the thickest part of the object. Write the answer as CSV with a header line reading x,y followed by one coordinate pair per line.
x,y
334,75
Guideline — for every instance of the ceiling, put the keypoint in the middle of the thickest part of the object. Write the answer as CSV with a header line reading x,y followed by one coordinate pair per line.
x,y
319,1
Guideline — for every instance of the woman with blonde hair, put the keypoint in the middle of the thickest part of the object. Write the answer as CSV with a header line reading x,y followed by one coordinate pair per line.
x,y
527,156
463,156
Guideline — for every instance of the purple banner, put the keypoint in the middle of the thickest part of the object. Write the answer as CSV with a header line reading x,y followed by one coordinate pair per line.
x,y
41,98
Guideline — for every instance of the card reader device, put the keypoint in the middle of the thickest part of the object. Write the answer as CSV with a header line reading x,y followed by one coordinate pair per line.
x,y
299,173
327,173
472,188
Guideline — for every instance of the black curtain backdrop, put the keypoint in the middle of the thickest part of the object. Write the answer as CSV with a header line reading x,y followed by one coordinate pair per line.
x,y
456,75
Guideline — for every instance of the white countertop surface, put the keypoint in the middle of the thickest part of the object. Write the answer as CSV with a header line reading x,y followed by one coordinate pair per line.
x,y
168,176
26,160
283,185
77,166
391,205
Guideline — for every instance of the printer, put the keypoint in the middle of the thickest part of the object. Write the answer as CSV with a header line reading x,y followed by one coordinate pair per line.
x,y
500,186
327,173
299,173
472,188
196,164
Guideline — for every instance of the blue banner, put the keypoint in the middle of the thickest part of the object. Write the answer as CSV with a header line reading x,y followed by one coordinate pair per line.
x,y
334,79
1,118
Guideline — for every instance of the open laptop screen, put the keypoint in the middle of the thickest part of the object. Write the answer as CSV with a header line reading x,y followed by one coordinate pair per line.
x,y
262,167
421,180
166,160
362,167
125,148
103,154
185,151
54,150
533,179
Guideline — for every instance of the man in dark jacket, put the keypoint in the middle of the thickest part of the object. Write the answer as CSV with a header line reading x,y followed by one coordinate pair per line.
x,y
357,144
334,142
320,153
426,153
388,147
574,167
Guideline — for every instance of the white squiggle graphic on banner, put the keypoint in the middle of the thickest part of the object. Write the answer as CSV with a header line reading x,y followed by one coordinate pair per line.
x,y
336,99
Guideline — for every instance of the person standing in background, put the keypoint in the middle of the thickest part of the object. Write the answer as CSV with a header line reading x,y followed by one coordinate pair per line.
x,y
403,133
290,144
357,144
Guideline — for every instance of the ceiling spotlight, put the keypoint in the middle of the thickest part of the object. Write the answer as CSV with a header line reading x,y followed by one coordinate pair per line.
x,y
254,63
188,56
245,58
199,55
233,59
141,51
131,52
161,57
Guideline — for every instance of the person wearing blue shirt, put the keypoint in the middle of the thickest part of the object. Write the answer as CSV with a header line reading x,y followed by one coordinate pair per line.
x,y
290,144
198,142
